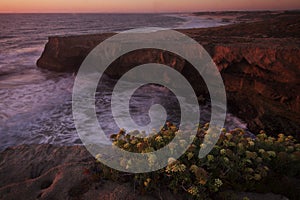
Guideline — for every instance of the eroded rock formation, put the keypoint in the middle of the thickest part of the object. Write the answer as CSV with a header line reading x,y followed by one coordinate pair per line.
x,y
259,62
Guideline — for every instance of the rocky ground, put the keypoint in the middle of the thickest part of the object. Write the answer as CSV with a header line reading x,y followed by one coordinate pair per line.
x,y
51,172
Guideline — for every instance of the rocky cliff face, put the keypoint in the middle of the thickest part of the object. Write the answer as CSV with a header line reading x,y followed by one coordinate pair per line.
x,y
259,62
262,82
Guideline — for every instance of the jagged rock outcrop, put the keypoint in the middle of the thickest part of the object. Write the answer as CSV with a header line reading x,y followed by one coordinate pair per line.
x,y
259,62
262,83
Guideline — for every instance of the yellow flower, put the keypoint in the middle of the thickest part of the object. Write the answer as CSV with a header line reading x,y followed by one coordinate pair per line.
x,y
228,135
173,128
134,141
266,168
251,155
171,161
248,161
98,156
146,183
139,145
176,168
223,151
194,168
240,146
134,133
168,169
202,181
181,168
281,139
126,146
218,183
226,160
269,142
261,151
290,137
206,126
249,170
190,156
232,144
272,154
119,136
262,135
257,177
193,190
203,146
259,159
251,143
122,131
271,139
210,158
159,139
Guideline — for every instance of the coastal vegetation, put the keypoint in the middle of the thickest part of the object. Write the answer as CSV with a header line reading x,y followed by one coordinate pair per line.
x,y
238,162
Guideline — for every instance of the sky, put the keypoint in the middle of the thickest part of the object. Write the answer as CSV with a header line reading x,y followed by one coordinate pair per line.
x,y
136,6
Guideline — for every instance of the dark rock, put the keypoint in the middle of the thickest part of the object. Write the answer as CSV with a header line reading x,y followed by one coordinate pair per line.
x,y
62,176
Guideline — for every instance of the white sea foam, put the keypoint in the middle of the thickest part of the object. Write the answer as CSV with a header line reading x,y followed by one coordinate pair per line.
x,y
35,105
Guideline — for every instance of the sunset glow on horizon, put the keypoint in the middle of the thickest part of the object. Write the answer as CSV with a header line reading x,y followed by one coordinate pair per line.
x,y
127,6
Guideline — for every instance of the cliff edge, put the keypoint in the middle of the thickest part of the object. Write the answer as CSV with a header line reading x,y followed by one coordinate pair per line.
x,y
259,62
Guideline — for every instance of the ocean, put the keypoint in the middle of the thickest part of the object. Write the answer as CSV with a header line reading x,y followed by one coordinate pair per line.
x,y
36,104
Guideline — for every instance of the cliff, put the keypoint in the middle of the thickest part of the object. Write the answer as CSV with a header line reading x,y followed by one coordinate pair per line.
x,y
259,63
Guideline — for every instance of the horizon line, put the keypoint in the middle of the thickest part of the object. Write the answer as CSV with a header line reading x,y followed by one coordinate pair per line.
x,y
162,12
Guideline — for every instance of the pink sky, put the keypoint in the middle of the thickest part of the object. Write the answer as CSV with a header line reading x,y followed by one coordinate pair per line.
x,y
143,5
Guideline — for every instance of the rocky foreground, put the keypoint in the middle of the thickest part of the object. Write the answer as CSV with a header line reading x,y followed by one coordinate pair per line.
x,y
51,172
259,62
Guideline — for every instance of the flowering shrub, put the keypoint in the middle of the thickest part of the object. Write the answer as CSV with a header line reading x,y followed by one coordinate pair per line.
x,y
236,162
